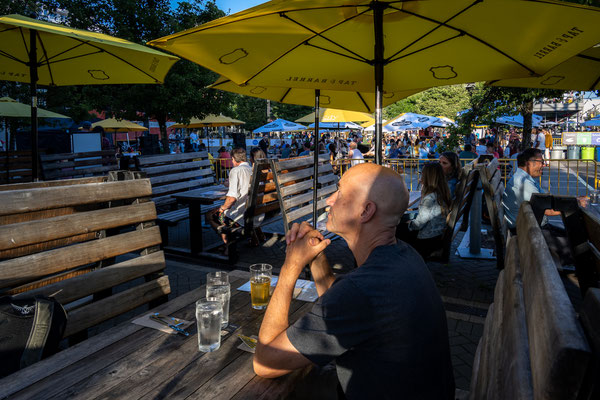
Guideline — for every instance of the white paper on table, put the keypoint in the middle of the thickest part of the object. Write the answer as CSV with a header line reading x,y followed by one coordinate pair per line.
x,y
308,290
148,323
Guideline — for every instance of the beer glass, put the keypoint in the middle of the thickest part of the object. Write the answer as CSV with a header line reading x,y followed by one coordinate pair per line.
x,y
260,283
208,319
218,289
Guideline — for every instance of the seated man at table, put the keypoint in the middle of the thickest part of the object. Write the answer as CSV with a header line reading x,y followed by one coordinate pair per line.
x,y
231,213
520,187
383,324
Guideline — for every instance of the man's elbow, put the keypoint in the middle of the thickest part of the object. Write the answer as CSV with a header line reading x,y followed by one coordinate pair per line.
x,y
266,372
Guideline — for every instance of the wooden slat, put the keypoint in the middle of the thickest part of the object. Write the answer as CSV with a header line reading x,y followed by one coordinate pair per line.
x,y
18,235
80,286
81,172
25,269
293,216
177,167
157,180
306,185
182,185
101,310
308,197
72,156
559,353
44,184
168,158
302,173
50,167
21,201
299,162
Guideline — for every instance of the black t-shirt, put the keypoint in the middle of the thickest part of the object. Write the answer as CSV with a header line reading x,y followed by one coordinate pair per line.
x,y
385,326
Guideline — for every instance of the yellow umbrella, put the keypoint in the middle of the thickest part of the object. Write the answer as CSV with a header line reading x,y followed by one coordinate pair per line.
x,y
351,44
41,52
208,121
357,101
335,115
577,73
12,108
119,125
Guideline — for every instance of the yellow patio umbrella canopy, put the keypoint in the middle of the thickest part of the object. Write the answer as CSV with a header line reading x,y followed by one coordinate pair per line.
x,y
330,45
376,46
210,120
356,101
581,72
335,115
119,125
12,108
69,56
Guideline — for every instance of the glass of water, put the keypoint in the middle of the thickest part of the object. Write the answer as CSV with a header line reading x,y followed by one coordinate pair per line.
x,y
218,289
208,319
594,197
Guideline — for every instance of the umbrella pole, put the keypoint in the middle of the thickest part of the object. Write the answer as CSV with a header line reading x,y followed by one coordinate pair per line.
x,y
316,160
33,88
378,9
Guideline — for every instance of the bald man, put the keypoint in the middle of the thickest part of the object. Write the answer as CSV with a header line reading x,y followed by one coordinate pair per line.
x,y
383,324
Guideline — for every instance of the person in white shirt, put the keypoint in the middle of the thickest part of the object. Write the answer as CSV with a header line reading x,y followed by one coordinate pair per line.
x,y
354,154
538,140
231,214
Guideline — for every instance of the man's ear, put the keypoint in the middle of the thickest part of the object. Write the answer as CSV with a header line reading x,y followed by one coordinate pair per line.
x,y
368,211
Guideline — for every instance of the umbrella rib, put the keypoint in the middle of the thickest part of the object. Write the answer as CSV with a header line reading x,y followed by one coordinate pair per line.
x,y
424,48
363,101
65,51
70,58
320,34
296,46
471,36
339,54
37,34
284,95
7,55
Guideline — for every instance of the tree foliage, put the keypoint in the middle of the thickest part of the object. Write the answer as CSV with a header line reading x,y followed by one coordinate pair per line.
x,y
444,101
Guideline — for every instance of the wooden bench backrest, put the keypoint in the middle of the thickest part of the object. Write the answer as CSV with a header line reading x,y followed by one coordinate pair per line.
x,y
262,196
63,240
493,189
460,207
589,314
592,227
15,167
294,182
173,173
74,165
532,345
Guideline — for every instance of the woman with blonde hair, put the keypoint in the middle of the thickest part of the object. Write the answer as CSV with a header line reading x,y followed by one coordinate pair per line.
x,y
425,231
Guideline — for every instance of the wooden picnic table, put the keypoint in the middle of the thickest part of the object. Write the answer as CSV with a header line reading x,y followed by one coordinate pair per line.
x,y
130,361
195,199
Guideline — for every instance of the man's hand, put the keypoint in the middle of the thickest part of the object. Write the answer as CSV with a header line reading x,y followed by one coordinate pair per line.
x,y
304,244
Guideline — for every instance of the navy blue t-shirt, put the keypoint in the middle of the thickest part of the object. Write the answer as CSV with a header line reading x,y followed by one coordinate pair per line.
x,y
385,326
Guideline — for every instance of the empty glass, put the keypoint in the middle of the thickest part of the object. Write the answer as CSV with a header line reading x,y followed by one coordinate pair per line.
x,y
218,289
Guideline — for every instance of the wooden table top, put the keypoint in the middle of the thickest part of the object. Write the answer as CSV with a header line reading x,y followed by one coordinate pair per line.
x,y
414,197
130,361
209,193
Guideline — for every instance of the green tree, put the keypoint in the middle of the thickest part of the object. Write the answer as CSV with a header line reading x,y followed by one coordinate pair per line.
x,y
445,101
399,107
251,110
290,112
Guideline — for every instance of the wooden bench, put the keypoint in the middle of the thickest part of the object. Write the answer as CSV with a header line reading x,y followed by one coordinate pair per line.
x,y
77,240
75,165
533,346
493,189
294,182
461,205
583,231
173,173
15,167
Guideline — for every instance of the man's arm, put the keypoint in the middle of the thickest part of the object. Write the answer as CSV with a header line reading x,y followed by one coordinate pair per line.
x,y
275,355
322,273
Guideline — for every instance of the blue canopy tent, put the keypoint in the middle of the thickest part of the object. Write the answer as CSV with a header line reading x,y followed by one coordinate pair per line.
x,y
592,122
279,125
336,125
411,121
517,120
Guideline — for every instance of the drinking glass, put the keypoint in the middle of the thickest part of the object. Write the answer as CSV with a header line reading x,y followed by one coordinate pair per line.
x,y
594,197
208,319
260,283
218,289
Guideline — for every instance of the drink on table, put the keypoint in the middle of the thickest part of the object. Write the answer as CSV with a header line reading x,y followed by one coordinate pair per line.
x,y
208,317
218,289
260,283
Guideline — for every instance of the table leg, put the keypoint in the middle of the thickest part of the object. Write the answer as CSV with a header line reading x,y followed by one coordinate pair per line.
x,y
196,245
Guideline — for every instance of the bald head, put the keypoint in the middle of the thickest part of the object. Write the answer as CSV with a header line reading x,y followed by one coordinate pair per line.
x,y
352,145
384,187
